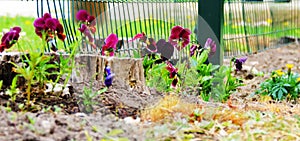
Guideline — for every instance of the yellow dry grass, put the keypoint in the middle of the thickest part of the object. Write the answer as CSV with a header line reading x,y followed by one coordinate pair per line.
x,y
168,106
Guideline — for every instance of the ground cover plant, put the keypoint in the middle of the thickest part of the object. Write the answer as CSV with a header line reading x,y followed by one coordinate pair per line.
x,y
190,99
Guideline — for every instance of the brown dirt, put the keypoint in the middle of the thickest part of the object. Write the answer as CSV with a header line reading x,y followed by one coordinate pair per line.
x,y
121,101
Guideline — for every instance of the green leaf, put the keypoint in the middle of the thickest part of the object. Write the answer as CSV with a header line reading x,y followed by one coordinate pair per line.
x,y
115,132
280,94
102,90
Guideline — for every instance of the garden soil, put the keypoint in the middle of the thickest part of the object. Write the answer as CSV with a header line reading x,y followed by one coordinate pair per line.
x,y
117,112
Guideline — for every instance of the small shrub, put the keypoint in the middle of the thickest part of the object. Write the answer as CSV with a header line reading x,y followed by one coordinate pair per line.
x,y
281,85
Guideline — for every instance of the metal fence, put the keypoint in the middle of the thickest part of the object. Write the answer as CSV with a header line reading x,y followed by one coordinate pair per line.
x,y
249,26
126,18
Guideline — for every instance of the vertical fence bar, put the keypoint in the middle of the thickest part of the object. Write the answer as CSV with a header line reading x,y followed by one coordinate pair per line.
x,y
212,13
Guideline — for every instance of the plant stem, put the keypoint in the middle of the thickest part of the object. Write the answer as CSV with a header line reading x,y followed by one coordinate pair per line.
x,y
28,92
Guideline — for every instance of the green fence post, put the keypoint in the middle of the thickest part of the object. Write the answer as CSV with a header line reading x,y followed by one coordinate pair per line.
x,y
210,24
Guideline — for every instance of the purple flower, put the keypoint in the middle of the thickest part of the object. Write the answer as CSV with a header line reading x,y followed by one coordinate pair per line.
x,y
173,74
193,49
142,36
82,15
110,45
174,82
60,32
51,23
211,45
239,63
50,27
108,76
82,28
180,37
46,16
39,23
10,38
87,25
91,21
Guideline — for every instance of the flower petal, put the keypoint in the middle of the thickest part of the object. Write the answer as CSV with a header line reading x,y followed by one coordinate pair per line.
x,y
138,36
17,29
51,23
82,15
111,41
39,23
46,16
175,31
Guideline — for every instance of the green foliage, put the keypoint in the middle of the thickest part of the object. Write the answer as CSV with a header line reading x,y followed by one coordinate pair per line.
x,y
88,97
281,86
194,75
199,75
13,91
157,76
34,70
66,65
224,83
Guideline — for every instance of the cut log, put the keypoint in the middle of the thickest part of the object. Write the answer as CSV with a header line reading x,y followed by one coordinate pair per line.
x,y
88,68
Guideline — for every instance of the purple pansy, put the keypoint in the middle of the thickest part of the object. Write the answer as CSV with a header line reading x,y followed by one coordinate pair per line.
x,y
239,63
50,27
211,45
10,38
87,25
141,36
110,45
108,77
193,49
180,37
82,15
173,74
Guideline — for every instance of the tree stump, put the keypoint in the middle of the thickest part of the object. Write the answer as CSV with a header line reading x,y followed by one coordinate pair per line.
x,y
89,67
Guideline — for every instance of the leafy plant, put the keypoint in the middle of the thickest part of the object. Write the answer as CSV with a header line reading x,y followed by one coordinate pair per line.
x,y
224,83
158,76
281,85
88,97
13,91
66,65
199,75
34,70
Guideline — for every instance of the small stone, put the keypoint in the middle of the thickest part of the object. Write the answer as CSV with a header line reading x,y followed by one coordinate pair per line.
x,y
80,115
130,120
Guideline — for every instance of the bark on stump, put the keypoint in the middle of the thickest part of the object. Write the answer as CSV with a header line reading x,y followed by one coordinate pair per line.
x,y
88,68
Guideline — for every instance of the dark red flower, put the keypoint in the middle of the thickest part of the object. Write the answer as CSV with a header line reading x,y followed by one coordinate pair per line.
x,y
39,23
50,27
46,16
82,15
110,45
172,70
10,38
61,36
91,21
173,74
82,28
51,23
180,37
